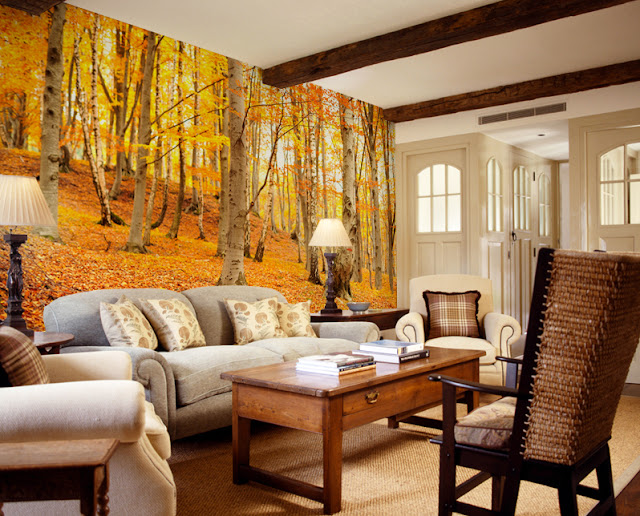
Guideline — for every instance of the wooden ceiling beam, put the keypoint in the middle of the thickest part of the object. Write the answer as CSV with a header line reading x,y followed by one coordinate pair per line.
x,y
482,22
34,7
564,84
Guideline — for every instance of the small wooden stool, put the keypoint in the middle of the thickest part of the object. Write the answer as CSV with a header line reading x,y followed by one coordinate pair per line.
x,y
57,470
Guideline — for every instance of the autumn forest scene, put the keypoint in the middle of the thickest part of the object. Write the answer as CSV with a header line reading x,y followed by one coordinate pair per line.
x,y
170,166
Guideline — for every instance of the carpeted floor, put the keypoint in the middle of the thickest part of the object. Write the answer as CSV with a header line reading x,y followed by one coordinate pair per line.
x,y
384,471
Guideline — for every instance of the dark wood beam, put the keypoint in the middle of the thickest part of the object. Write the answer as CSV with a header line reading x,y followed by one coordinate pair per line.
x,y
35,7
573,82
482,22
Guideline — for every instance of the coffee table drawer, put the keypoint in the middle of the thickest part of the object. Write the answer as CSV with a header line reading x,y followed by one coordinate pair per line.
x,y
392,398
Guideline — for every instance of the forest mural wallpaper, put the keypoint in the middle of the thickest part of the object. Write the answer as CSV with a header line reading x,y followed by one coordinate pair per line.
x,y
171,166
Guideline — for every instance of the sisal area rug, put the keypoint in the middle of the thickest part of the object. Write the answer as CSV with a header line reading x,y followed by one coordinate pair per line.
x,y
384,471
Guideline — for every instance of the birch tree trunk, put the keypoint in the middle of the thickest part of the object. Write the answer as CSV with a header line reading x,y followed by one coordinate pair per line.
x,y
233,265
223,222
96,161
177,215
314,274
391,204
376,237
50,155
344,262
135,243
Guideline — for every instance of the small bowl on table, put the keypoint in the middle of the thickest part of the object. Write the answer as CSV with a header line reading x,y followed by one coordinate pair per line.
x,y
358,307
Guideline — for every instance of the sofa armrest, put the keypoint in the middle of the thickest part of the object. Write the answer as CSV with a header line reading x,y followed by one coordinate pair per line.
x,y
410,328
74,410
502,331
356,331
79,367
149,368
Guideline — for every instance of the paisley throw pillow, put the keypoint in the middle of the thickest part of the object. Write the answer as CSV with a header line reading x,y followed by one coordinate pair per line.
x,y
125,325
254,321
174,323
295,320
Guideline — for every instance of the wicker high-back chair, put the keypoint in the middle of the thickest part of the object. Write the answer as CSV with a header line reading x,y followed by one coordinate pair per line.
x,y
554,428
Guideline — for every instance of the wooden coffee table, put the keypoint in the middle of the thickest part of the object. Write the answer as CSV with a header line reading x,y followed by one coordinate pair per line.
x,y
327,405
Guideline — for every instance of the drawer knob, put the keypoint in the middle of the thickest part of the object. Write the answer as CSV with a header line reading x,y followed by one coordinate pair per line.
x,y
371,397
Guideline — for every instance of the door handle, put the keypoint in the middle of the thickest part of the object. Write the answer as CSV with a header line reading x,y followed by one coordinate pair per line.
x,y
514,237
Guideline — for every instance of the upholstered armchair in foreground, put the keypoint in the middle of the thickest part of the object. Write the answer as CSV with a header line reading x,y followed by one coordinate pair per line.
x,y
450,323
92,396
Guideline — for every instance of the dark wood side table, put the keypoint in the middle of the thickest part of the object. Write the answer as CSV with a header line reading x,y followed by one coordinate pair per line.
x,y
384,318
57,470
49,342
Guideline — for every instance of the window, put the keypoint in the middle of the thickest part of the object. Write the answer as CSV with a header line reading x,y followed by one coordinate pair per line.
x,y
439,199
494,195
620,186
521,199
544,206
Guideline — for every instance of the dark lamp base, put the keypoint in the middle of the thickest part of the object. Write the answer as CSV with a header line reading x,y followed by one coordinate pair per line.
x,y
331,311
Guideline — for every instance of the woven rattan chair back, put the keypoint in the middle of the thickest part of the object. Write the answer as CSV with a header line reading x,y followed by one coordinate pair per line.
x,y
585,341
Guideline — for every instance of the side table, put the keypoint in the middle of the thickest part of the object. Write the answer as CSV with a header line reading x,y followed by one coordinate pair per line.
x,y
384,318
49,342
57,470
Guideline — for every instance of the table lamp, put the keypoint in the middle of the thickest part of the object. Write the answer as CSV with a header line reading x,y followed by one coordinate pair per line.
x,y
21,204
330,233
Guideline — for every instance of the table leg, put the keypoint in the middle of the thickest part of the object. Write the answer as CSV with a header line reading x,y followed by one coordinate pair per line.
x,y
103,493
332,456
241,432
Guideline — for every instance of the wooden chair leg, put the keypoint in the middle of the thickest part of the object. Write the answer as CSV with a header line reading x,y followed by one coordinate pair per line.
x,y
510,490
568,497
605,483
497,492
447,487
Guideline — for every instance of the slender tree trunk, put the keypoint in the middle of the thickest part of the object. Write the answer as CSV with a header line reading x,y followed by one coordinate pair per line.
x,y
51,116
96,161
233,264
177,215
223,222
314,274
391,204
135,242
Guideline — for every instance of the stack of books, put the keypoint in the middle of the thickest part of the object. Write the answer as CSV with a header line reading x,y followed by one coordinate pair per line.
x,y
335,365
393,351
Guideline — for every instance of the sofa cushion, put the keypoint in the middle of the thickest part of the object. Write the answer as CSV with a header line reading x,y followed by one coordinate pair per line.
x,y
452,314
20,359
467,343
212,313
174,323
125,325
197,370
295,320
254,321
489,426
293,348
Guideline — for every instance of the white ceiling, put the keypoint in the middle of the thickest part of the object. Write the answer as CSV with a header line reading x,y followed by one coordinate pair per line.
x,y
266,33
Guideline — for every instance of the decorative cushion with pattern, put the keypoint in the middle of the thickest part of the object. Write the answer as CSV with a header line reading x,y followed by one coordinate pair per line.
x,y
254,321
489,426
452,314
20,359
295,320
174,323
125,325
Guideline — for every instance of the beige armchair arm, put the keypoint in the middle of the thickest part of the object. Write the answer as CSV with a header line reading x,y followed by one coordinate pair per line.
x,y
410,328
75,410
502,331
78,367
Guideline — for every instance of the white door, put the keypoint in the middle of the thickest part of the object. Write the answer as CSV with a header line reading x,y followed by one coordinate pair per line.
x,y
613,175
496,235
435,183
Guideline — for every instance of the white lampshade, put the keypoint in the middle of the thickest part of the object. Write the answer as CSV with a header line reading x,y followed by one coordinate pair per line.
x,y
330,233
22,203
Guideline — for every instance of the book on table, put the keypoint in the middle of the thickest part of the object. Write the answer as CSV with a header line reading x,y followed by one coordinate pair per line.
x,y
392,347
334,361
396,359
339,371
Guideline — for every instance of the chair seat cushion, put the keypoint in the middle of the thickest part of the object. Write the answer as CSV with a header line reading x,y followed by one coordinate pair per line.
x,y
197,370
467,343
489,426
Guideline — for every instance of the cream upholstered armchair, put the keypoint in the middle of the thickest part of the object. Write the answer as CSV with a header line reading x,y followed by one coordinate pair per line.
x,y
92,396
497,332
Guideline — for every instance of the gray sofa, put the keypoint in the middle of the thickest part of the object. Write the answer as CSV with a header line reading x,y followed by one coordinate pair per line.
x,y
185,386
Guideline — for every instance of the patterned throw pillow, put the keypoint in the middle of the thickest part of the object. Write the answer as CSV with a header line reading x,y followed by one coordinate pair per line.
x,y
125,325
254,321
20,359
452,314
174,323
295,320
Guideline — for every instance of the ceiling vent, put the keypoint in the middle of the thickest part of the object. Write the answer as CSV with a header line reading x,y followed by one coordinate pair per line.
x,y
522,113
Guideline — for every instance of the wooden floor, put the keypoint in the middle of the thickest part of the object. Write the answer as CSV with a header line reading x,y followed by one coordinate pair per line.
x,y
628,501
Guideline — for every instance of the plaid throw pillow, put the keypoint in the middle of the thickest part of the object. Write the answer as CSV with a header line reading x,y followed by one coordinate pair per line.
x,y
452,314
20,359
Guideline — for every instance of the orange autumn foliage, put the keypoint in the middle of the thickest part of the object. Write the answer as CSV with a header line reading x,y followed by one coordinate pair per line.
x,y
89,257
